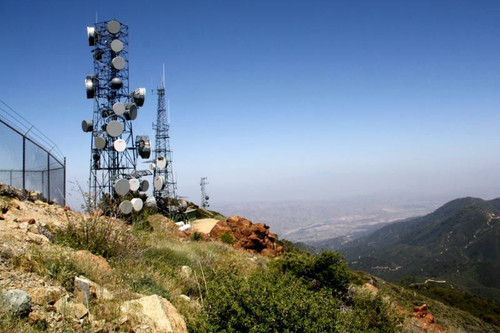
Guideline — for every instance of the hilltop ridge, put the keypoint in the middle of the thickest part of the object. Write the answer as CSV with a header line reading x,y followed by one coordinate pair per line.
x,y
90,273
458,243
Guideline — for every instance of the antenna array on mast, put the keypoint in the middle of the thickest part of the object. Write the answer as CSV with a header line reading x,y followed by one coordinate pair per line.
x,y
114,152
165,185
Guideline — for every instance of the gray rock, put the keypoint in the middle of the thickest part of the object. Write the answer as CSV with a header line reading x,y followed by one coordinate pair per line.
x,y
17,302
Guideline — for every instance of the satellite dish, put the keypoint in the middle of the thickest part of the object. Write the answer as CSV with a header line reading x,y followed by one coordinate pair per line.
x,y
118,63
122,186
118,108
114,128
116,45
100,142
92,36
152,166
134,184
151,201
114,27
182,205
87,126
120,145
90,86
137,204
139,96
116,83
130,111
143,145
144,186
161,162
125,207
159,182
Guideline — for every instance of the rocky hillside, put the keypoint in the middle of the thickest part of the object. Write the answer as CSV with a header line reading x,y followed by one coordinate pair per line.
x,y
62,271
458,244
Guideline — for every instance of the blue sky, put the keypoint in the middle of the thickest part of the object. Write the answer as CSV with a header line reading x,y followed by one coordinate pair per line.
x,y
281,100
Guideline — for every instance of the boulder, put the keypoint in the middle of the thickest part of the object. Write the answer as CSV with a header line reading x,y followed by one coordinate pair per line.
x,y
9,191
70,309
426,319
98,262
46,295
154,313
220,228
253,237
370,288
37,318
17,302
85,290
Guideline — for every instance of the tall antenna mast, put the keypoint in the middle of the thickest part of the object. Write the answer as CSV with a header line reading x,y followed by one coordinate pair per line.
x,y
113,151
204,195
165,185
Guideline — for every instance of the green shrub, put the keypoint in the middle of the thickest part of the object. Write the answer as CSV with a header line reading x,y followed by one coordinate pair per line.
x,y
267,301
197,236
227,238
103,236
368,313
326,270
54,264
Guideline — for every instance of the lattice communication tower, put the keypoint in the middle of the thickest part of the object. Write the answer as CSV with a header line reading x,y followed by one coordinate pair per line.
x,y
164,183
204,195
114,152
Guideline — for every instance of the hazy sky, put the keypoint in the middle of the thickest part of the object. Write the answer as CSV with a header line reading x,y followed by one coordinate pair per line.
x,y
281,100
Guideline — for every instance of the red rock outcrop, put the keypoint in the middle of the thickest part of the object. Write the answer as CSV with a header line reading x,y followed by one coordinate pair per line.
x,y
253,237
427,319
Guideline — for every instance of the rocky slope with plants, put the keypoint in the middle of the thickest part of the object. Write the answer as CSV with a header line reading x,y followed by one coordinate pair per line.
x,y
458,244
62,271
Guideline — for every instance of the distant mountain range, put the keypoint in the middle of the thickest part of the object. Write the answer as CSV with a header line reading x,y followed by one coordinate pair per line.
x,y
458,243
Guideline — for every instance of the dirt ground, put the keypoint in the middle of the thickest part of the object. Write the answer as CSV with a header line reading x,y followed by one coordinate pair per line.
x,y
203,225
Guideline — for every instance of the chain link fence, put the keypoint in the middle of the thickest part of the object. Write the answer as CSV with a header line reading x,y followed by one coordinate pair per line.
x,y
27,165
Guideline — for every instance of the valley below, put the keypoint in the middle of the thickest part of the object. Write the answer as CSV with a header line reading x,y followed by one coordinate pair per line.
x,y
314,221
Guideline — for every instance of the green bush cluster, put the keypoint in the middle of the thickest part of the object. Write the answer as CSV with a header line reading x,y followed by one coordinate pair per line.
x,y
53,264
297,293
327,270
266,301
99,235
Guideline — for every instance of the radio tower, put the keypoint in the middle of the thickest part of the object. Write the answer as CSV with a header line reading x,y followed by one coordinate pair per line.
x,y
204,195
164,183
114,153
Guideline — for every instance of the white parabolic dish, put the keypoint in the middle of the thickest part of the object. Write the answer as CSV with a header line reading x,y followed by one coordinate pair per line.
x,y
114,128
159,181
125,207
134,184
161,162
120,145
122,186
137,204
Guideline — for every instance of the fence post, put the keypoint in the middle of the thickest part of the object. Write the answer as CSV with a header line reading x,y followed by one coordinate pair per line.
x,y
48,177
24,166
64,182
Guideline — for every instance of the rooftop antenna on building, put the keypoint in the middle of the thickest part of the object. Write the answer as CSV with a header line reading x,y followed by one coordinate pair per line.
x,y
204,195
